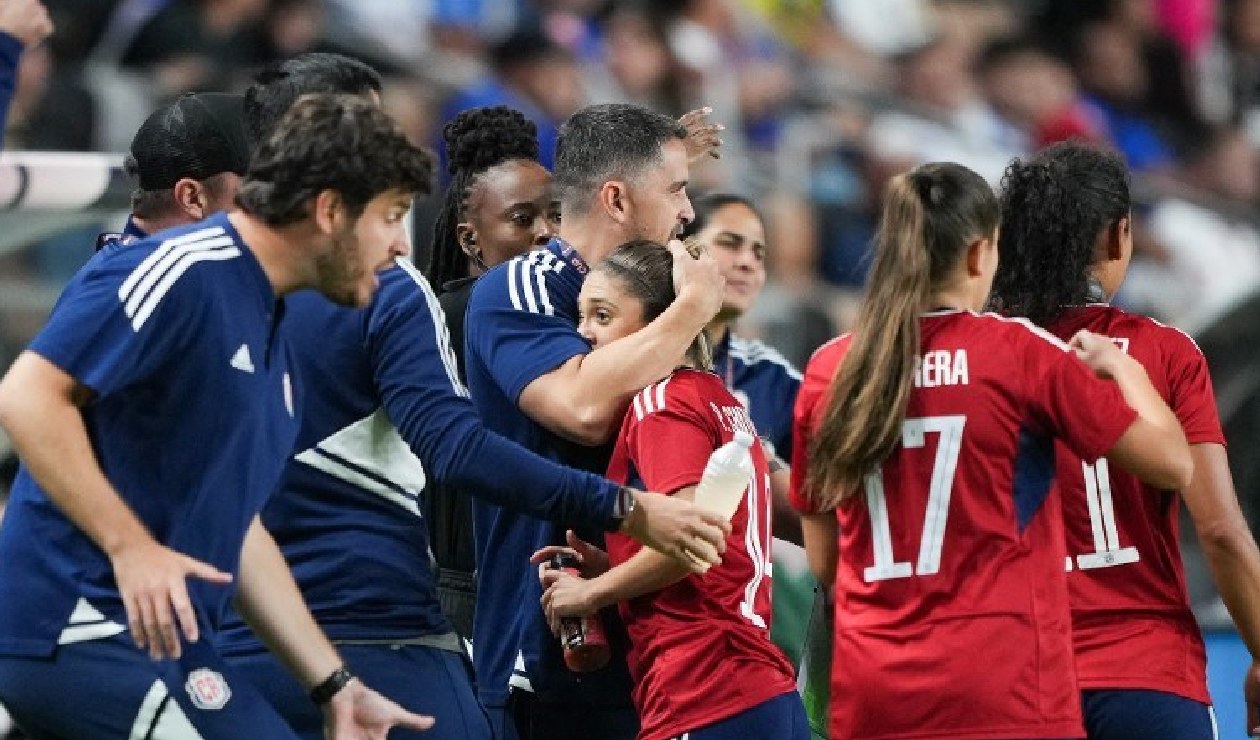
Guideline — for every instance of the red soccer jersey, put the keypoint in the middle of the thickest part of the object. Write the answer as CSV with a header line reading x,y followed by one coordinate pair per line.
x,y
700,649
1131,618
951,602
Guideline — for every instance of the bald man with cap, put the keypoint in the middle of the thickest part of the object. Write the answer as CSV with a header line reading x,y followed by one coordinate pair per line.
x,y
187,160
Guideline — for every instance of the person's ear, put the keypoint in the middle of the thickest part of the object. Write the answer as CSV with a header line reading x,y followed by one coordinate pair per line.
x,y
1119,235
613,198
327,210
191,197
977,252
466,235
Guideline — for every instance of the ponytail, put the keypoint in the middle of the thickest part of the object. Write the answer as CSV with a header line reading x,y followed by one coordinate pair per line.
x,y
862,422
930,215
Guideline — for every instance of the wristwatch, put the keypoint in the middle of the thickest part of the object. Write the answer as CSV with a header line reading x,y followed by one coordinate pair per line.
x,y
623,507
328,688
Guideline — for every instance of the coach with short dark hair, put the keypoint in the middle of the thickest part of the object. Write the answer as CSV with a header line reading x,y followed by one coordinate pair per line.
x,y
621,171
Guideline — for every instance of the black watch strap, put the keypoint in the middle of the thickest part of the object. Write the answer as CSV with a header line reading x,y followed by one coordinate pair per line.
x,y
328,688
623,506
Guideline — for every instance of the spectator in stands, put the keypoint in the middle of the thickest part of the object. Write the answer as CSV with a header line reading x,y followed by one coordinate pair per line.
x,y
1209,233
1108,60
533,74
198,44
637,63
942,116
1036,92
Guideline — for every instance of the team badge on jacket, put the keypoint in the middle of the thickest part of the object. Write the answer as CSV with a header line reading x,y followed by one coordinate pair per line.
x,y
207,689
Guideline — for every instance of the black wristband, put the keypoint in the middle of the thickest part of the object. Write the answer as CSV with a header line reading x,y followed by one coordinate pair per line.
x,y
328,688
623,506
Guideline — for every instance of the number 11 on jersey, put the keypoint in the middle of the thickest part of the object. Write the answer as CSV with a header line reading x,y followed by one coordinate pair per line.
x,y
1102,518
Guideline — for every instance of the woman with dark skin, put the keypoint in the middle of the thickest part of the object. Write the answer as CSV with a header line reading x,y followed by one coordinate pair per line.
x,y
498,205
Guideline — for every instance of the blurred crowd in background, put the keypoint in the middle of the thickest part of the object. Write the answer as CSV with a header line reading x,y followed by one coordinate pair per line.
x,y
822,100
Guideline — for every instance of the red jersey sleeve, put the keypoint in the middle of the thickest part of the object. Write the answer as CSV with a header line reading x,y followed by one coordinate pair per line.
x,y
809,400
671,436
1067,399
1190,390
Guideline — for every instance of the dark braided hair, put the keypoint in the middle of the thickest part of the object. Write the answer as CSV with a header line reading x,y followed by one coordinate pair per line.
x,y
476,140
1054,207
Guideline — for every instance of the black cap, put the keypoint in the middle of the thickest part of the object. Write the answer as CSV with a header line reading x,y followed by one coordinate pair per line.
x,y
197,136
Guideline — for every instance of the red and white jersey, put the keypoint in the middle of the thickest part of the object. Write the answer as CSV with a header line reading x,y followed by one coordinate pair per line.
x,y
700,650
1131,617
952,615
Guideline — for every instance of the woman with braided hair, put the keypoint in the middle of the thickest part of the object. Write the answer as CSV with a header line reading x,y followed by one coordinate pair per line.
x,y
498,205
1065,246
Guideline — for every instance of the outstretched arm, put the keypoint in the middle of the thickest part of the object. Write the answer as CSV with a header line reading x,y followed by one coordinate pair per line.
x,y
427,404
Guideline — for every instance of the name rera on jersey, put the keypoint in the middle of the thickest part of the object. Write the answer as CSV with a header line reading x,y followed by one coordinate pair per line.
x,y
941,367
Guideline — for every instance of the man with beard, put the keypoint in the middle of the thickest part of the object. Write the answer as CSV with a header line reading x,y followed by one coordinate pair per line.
x,y
153,415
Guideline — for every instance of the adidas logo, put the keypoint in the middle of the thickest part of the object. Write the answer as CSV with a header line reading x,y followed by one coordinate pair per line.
x,y
241,360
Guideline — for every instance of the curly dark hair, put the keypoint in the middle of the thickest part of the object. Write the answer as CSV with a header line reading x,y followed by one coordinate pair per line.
x,y
1054,207
343,143
476,140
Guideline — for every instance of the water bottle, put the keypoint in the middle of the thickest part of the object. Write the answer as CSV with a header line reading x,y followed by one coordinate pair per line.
x,y
583,639
726,476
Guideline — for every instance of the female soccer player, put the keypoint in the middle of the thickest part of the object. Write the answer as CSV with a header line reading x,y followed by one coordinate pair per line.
x,y
923,461
1065,247
499,204
701,656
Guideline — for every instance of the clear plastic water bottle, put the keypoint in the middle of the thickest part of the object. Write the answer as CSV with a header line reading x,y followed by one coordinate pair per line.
x,y
726,476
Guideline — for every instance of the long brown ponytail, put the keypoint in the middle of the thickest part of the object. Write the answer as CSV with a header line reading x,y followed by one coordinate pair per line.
x,y
929,217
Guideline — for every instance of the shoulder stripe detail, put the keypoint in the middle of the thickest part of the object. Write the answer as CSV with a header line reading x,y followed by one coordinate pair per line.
x,y
751,352
184,257
1030,326
144,286
527,281
513,293
544,295
527,287
650,399
440,331
158,254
